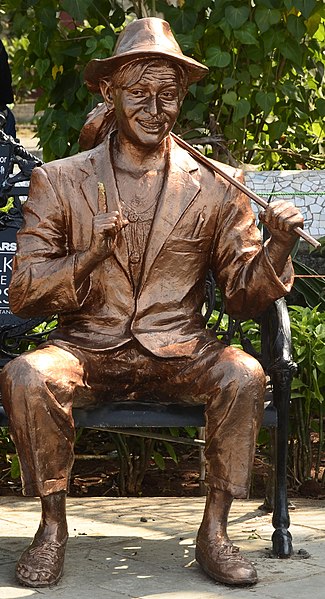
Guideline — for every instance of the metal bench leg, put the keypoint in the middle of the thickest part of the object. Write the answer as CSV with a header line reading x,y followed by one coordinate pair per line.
x,y
202,487
281,538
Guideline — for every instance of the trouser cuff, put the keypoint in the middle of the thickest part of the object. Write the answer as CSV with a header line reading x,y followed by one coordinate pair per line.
x,y
236,491
47,487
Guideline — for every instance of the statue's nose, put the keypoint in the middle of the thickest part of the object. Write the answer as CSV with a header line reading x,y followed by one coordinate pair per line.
x,y
152,104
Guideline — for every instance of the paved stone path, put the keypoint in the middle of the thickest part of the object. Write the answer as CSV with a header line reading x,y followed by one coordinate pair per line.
x,y
144,549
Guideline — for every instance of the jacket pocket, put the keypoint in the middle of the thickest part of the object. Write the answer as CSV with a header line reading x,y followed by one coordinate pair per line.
x,y
185,245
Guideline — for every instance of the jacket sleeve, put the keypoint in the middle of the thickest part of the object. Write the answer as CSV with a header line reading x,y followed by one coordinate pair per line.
x,y
240,262
43,281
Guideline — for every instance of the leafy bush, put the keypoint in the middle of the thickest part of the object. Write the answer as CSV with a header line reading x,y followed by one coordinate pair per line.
x,y
308,390
8,455
263,102
308,387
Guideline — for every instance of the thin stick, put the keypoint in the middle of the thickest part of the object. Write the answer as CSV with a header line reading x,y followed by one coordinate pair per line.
x,y
102,203
251,194
102,200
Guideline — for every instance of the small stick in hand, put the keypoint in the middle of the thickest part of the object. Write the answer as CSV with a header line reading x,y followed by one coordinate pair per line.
x,y
102,205
102,200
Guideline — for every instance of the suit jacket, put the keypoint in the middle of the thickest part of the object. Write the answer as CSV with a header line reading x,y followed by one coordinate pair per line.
x,y
201,222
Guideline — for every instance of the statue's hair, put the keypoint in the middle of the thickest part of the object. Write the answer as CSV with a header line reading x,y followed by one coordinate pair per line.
x,y
132,72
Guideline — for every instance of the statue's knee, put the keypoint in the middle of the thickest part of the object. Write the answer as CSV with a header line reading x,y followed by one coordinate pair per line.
x,y
244,370
11,372
26,373
12,376
250,371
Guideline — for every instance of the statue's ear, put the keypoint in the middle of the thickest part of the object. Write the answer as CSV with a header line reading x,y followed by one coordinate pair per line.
x,y
105,90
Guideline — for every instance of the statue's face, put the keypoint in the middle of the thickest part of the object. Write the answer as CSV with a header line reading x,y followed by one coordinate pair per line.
x,y
147,110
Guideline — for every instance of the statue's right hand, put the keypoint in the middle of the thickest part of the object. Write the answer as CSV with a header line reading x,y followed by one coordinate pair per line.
x,y
105,229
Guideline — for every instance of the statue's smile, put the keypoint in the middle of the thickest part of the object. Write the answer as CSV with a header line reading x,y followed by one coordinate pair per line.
x,y
151,125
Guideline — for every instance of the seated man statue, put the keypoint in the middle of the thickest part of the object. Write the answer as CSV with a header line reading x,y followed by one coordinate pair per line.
x,y
118,241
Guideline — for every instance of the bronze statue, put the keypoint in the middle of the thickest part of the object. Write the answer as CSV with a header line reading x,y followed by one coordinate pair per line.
x,y
118,241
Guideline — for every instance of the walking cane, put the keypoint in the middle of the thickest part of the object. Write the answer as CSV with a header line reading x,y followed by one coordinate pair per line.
x,y
251,194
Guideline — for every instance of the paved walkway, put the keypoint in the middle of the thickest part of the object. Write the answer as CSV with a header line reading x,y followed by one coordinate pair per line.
x,y
144,548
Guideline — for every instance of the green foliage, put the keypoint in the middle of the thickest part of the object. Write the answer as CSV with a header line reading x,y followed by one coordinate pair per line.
x,y
136,452
8,455
14,466
308,337
308,388
48,57
312,289
134,456
264,94
308,283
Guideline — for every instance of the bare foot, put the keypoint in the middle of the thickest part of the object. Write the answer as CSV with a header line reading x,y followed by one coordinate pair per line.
x,y
222,561
41,564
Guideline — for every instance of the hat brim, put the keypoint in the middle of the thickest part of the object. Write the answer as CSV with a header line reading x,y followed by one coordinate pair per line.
x,y
98,69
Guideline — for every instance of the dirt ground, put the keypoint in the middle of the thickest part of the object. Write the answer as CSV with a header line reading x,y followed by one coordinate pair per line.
x,y
93,477
99,476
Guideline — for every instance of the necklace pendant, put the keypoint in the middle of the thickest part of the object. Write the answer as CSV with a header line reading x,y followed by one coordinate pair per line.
x,y
132,216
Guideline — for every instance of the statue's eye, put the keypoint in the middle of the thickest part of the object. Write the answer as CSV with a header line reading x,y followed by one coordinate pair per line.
x,y
168,95
137,93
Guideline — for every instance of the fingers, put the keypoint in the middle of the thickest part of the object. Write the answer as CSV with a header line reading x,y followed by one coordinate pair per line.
x,y
109,223
282,216
105,229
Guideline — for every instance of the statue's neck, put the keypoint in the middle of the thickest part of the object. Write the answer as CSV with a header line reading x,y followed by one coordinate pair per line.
x,y
137,160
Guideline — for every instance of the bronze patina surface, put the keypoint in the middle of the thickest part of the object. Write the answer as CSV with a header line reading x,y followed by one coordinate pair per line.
x,y
118,241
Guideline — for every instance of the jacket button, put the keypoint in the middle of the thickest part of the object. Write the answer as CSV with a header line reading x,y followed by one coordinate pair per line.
x,y
134,257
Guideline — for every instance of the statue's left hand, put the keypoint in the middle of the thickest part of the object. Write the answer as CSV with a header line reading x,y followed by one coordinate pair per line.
x,y
281,218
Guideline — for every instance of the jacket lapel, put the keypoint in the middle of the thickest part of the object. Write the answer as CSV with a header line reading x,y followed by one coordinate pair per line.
x,y
179,190
99,169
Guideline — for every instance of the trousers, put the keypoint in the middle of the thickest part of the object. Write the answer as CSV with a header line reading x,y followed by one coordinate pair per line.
x,y
40,388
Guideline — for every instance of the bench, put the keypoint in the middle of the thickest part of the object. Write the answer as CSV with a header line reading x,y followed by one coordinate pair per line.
x,y
275,356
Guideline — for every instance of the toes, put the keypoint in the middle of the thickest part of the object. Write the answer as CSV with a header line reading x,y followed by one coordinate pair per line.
x,y
33,576
41,564
22,571
44,576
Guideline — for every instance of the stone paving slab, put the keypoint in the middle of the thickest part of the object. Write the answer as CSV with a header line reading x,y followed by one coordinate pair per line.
x,y
144,549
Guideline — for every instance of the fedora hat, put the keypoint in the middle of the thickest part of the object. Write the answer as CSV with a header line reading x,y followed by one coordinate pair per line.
x,y
144,38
